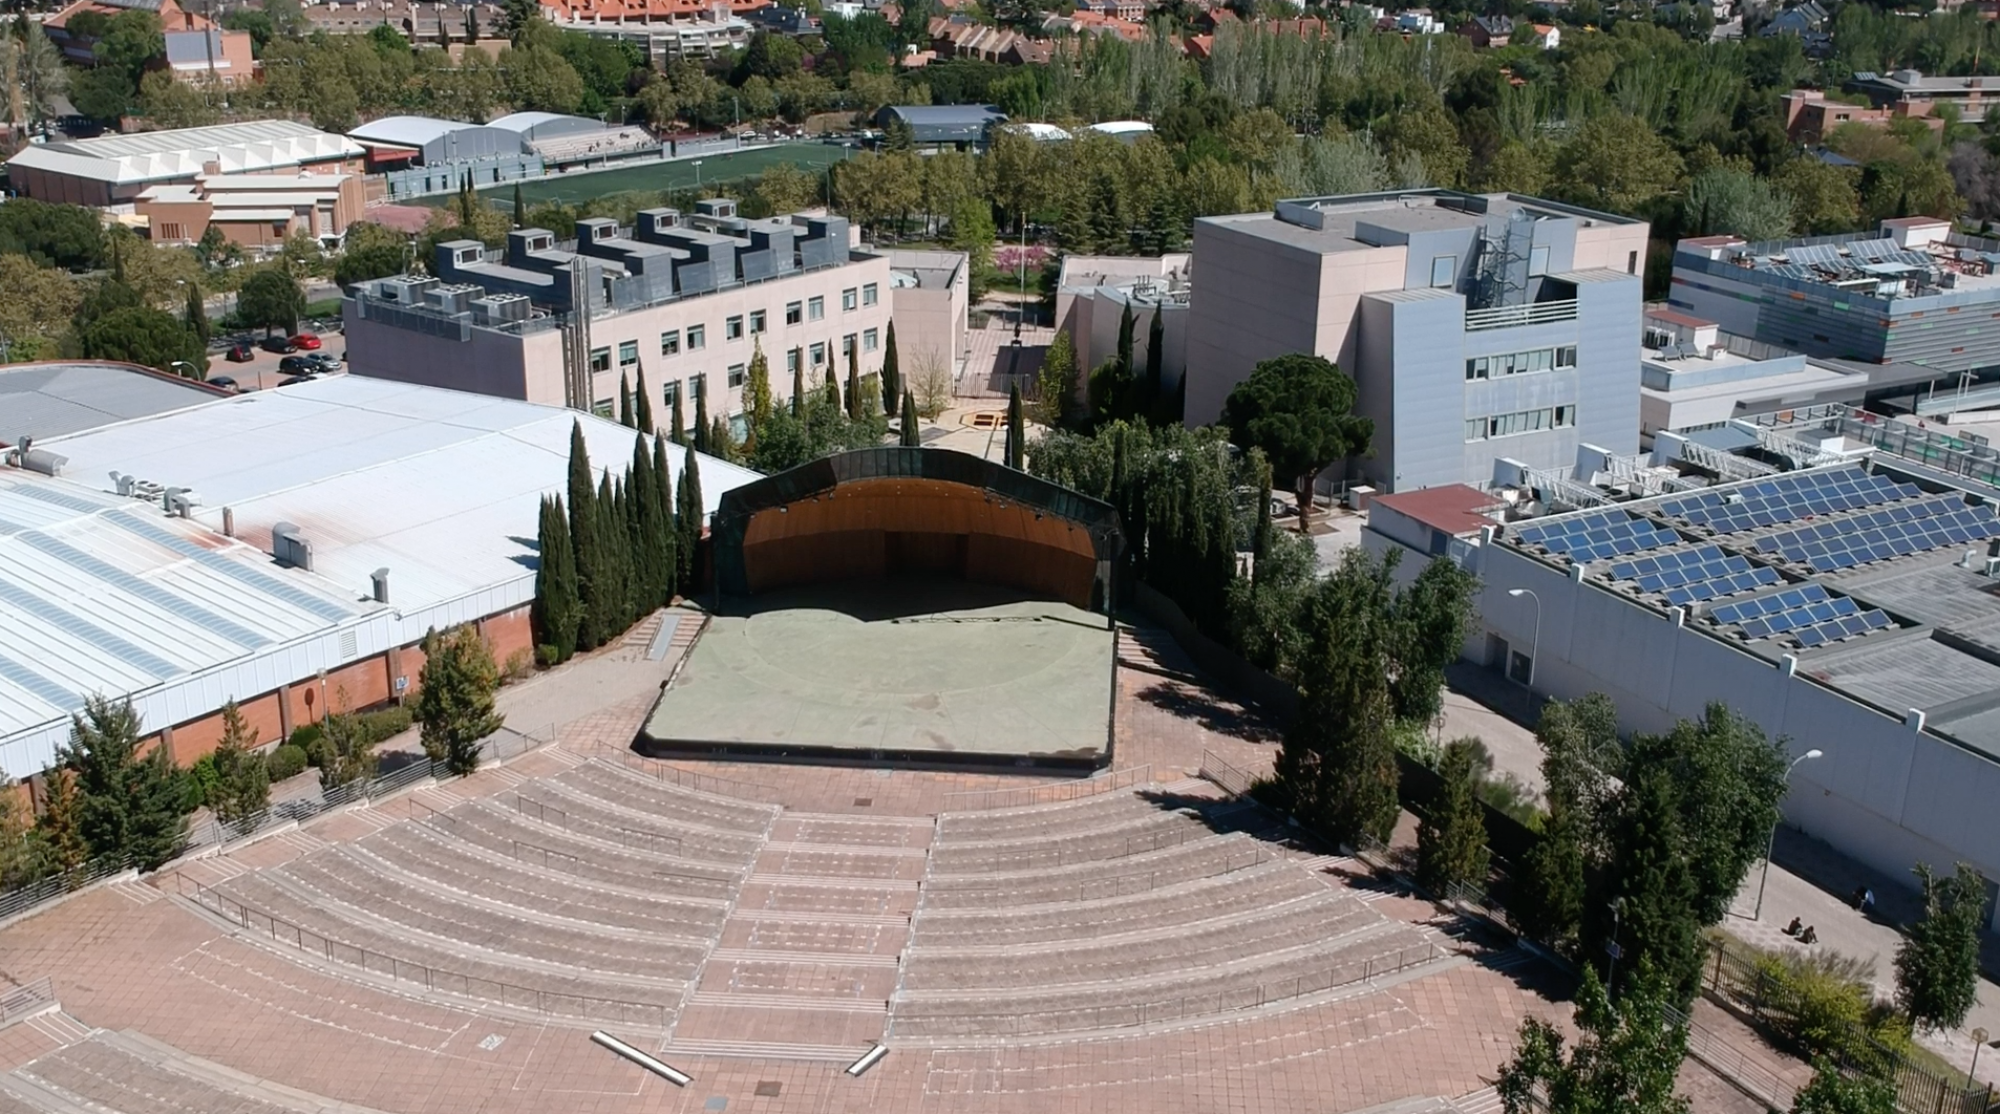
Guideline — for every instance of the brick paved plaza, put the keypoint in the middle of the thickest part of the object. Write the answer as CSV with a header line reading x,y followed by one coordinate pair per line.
x,y
1153,947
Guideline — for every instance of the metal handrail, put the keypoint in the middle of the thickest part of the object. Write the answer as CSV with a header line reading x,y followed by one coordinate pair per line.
x,y
1228,778
1535,313
26,999
976,800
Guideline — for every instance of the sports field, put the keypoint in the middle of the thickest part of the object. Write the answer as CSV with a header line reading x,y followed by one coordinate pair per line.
x,y
580,186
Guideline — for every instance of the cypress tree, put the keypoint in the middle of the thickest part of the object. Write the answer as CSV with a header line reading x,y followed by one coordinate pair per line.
x,y
608,602
643,504
892,376
680,423
664,522
1260,541
643,405
1017,429
910,440
690,516
721,439
854,383
798,384
585,542
833,381
556,603
1125,340
520,206
757,393
197,313
1156,343
625,417
701,429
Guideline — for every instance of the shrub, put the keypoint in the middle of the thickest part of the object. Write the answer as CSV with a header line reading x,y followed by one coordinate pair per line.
x,y
1821,1000
304,736
519,666
547,655
286,761
386,723
201,781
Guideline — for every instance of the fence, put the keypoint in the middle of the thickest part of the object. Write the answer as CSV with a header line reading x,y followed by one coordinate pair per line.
x,y
15,902
1729,1061
26,1000
1504,317
1741,986
1148,1013
548,1003
1230,779
688,779
976,800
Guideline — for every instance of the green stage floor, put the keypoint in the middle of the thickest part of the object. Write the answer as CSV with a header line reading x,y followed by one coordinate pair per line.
x,y
921,667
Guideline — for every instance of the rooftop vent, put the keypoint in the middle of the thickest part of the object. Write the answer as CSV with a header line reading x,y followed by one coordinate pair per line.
x,y
179,502
25,455
380,577
290,547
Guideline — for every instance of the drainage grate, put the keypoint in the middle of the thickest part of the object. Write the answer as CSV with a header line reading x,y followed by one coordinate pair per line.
x,y
769,1089
716,1103
864,802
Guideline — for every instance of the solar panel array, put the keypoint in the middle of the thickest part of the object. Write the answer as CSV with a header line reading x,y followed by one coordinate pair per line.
x,y
1786,498
1597,537
1688,576
1808,614
1893,531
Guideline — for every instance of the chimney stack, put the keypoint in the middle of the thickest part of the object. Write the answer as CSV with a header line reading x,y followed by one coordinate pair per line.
x,y
381,579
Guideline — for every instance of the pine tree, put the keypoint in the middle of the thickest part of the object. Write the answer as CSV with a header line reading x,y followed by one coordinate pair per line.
x,y
679,432
626,417
798,384
690,516
701,430
242,782
127,806
556,604
520,206
61,823
910,439
1017,430
586,544
197,313
667,546
1451,840
854,384
757,390
892,375
643,405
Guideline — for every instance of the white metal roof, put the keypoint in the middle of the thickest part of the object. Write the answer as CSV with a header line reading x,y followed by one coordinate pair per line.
x,y
181,153
407,131
523,121
104,593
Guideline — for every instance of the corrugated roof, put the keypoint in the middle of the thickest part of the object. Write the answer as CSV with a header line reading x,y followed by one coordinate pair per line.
x,y
181,153
52,399
411,131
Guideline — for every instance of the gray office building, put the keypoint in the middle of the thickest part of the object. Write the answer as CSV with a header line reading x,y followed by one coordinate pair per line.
x,y
1914,292
1476,327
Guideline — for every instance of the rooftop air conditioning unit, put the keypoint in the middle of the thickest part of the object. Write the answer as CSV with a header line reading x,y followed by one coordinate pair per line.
x,y
1993,566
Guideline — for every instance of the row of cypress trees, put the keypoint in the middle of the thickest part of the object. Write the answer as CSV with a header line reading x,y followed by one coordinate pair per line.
x,y
615,548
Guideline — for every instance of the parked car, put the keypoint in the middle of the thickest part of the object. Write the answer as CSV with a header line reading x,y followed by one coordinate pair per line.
x,y
308,342
325,362
298,365
224,383
277,344
241,351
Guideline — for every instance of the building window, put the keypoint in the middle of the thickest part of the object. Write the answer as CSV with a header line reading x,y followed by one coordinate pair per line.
x,y
847,299
170,231
600,359
871,340
1565,416
847,344
735,375
670,342
1631,262
1519,363
601,408
1444,270
698,385
818,354
1475,429
869,295
1538,261
671,393
794,312
815,309
628,354
732,328
1523,421
697,337
791,359
758,322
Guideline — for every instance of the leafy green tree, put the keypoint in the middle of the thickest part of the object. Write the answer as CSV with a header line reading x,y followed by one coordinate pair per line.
x,y
1937,964
32,64
242,781
1055,381
557,609
1833,1091
169,102
1624,1062
972,233
61,822
1337,761
149,337
271,299
455,697
1650,885
67,236
128,805
1617,163
1823,196
1451,840
1729,779
1728,199
1299,410
104,93
540,79
132,40
197,314
892,380
346,750
1432,618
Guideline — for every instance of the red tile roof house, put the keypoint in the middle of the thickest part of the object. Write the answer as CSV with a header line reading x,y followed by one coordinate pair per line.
x,y
196,48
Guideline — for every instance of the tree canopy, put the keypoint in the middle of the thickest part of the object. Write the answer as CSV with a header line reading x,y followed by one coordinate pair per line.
x,y
1299,410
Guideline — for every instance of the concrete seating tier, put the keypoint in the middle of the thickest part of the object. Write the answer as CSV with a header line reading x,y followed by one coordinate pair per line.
x,y
579,808
350,937
9,1104
420,911
1135,836
465,873
1181,992
583,853
1141,873
1169,946
1039,820
113,1073
696,809
1258,887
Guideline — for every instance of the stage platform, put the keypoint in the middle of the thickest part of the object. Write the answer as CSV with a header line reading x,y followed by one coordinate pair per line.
x,y
908,671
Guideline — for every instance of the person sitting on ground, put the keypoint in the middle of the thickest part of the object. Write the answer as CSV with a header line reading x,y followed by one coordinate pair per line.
x,y
1793,928
1809,936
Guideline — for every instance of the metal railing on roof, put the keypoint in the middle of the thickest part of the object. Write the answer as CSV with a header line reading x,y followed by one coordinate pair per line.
x,y
1505,317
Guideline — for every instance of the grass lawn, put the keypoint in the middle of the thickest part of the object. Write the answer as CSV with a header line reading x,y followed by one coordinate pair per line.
x,y
581,186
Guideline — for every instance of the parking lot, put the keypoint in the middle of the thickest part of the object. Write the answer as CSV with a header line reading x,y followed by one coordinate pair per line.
x,y
261,372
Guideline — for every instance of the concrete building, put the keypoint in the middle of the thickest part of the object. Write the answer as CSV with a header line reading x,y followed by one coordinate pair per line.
x,y
116,169
930,295
253,211
1475,326
286,549
685,299
1913,93
1092,292
1850,607
666,29
1915,292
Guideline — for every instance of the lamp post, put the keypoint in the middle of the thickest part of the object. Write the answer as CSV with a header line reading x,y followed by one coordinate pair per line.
x,y
1535,645
190,373
697,177
1771,845
1978,1042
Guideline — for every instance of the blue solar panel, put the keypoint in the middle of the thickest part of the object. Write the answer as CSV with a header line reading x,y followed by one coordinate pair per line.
x,y
1846,626
1774,604
86,631
1785,498
1745,581
1945,521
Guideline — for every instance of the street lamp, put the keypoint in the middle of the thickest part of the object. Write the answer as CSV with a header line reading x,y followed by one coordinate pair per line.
x,y
1978,1042
1772,845
190,373
1534,646
697,177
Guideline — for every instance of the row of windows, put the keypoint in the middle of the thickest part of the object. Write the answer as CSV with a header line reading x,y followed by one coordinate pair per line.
x,y
1517,363
756,323
628,354
1523,421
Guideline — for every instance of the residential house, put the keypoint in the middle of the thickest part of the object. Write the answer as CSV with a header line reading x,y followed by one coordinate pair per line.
x,y
195,47
1486,31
